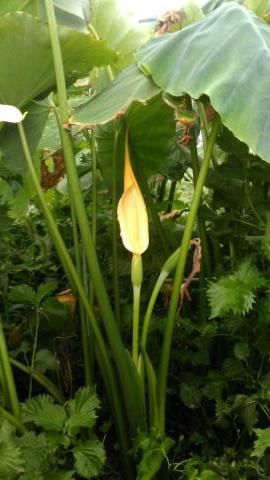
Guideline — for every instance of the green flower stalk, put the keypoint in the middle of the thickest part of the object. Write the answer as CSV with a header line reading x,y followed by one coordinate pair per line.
x,y
133,220
167,268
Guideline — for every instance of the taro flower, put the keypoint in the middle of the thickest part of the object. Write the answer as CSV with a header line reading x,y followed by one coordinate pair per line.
x,y
131,211
10,114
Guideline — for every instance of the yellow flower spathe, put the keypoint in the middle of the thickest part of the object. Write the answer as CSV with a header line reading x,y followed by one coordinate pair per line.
x,y
131,211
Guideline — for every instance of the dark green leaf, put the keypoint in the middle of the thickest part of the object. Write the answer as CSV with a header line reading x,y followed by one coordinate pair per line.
x,y
22,294
44,290
10,144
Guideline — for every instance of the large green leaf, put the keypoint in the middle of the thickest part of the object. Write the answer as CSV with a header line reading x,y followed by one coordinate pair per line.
x,y
119,30
227,57
26,58
72,14
153,152
131,85
10,144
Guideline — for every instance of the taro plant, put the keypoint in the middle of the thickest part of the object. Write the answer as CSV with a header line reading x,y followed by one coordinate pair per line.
x,y
153,109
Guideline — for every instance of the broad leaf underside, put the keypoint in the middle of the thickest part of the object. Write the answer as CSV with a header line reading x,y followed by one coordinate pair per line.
x,y
131,85
227,57
27,61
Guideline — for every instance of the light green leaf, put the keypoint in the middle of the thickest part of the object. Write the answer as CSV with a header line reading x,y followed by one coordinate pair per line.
x,y
45,360
72,14
82,409
20,203
50,138
6,192
131,85
26,55
11,461
202,59
209,475
34,451
119,29
62,475
236,292
89,458
262,442
43,412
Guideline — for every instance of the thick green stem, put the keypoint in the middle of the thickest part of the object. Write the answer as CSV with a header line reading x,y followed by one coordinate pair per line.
x,y
76,240
136,324
179,275
33,359
8,379
130,394
39,378
13,420
171,196
136,278
161,279
167,268
206,257
94,188
88,374
115,230
162,190
77,285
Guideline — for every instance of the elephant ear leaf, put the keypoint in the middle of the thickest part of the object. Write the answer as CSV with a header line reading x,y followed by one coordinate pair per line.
x,y
25,51
72,14
130,86
202,59
119,30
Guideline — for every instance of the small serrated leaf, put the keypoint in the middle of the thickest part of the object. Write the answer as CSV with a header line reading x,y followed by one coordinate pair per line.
x,y
82,409
43,412
34,451
235,292
262,442
11,461
89,458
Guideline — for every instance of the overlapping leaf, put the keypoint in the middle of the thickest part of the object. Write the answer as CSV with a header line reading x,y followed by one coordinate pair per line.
x,y
26,58
10,144
118,29
227,57
131,85
72,14
153,152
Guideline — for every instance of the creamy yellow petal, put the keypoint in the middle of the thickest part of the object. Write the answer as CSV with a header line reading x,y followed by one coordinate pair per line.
x,y
133,220
10,114
129,177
